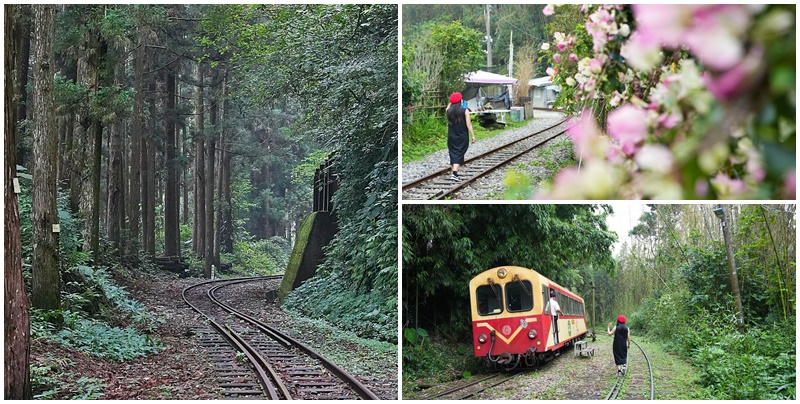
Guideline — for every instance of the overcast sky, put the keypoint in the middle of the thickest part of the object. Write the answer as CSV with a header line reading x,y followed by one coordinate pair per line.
x,y
626,216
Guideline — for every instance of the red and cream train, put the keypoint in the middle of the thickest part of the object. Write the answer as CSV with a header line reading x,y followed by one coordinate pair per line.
x,y
509,325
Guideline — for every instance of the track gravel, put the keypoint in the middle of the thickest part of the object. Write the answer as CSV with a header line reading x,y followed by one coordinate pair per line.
x,y
491,187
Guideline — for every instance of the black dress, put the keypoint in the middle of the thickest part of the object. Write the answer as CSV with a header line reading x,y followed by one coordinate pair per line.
x,y
457,135
621,345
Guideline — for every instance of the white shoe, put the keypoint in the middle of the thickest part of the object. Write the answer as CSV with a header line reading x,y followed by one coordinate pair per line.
x,y
454,177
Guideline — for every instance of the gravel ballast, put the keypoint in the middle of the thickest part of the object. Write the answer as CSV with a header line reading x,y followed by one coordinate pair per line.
x,y
491,187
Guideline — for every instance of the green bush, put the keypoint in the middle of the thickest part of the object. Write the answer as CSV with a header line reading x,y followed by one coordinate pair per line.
x,y
91,336
426,133
758,364
364,313
736,366
440,362
263,257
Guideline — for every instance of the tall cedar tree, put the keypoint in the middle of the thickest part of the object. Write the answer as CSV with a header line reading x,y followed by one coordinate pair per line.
x,y
171,192
15,315
45,277
199,231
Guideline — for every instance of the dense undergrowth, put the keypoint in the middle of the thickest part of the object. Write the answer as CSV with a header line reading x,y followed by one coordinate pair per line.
x,y
757,364
97,315
427,133
425,358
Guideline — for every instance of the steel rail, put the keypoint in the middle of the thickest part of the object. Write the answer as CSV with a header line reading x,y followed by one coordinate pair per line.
x,y
489,170
617,387
468,385
650,369
283,338
241,345
455,389
486,388
419,181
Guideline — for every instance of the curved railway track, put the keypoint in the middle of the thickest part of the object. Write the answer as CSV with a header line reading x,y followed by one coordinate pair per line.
x,y
472,388
253,359
439,186
613,394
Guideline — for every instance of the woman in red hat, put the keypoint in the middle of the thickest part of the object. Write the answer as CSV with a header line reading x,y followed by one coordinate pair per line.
x,y
622,341
459,127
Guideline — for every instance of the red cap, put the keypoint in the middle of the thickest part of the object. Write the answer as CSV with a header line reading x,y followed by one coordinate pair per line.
x,y
455,97
621,319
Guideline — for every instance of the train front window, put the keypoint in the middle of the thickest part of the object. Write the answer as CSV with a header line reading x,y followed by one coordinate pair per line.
x,y
490,299
519,296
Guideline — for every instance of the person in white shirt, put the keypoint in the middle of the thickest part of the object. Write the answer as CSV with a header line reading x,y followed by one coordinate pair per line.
x,y
555,310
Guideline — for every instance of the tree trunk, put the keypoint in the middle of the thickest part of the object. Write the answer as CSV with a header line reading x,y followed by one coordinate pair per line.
x,y
115,186
171,195
115,221
185,152
135,176
16,319
226,217
77,155
23,43
23,61
148,183
209,205
90,201
45,277
199,168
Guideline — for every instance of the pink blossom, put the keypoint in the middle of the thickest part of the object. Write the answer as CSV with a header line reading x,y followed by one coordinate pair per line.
x,y
655,157
627,125
665,23
711,32
738,79
561,46
669,120
615,155
714,34
582,132
548,10
641,51
701,188
790,184
727,186
557,58
573,57
595,66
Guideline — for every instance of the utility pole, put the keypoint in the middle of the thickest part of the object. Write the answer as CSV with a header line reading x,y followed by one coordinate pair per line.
x,y
719,211
511,64
593,306
488,39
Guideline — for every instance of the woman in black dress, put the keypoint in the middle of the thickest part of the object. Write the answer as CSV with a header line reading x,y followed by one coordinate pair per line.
x,y
622,341
459,126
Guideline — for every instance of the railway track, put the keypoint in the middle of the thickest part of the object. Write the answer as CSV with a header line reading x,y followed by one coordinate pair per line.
x,y
439,186
472,388
638,374
254,360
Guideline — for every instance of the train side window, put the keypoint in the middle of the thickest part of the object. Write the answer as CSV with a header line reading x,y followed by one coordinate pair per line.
x,y
519,296
489,301
545,297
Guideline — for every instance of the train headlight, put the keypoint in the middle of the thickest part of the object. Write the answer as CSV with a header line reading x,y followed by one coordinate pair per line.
x,y
532,334
501,273
482,338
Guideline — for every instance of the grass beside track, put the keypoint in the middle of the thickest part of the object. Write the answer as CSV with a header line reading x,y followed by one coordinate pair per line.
x,y
428,133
